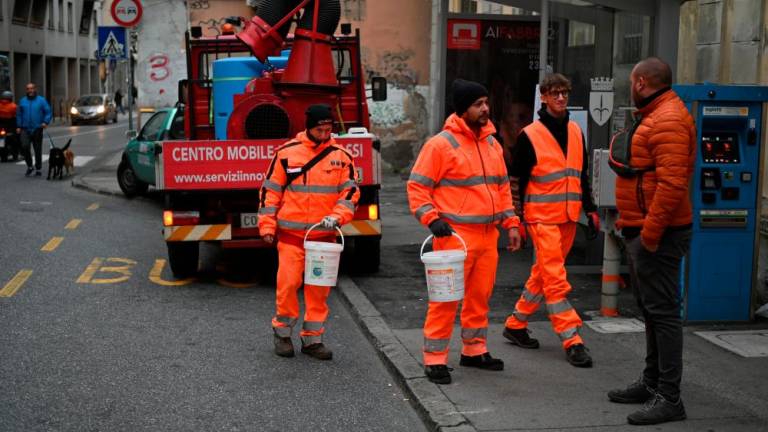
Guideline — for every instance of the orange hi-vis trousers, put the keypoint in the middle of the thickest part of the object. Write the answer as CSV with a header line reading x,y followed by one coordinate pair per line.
x,y
479,277
548,281
290,277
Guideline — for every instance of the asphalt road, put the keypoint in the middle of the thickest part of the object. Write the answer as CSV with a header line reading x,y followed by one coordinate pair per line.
x,y
95,335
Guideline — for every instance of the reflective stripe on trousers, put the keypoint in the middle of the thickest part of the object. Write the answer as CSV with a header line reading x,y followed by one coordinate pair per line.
x,y
290,277
549,280
479,277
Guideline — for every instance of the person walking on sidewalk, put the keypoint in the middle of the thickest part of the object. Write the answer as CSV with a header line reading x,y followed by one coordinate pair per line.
x,y
32,117
655,219
310,180
119,100
550,163
459,184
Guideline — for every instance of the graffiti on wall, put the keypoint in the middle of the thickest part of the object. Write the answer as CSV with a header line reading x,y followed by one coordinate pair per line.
x,y
353,10
212,26
158,67
199,4
400,121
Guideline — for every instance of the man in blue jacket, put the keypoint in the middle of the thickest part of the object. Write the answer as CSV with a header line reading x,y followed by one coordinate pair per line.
x,y
32,116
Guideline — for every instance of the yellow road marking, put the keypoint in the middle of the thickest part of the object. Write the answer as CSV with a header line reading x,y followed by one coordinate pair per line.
x,y
73,224
156,272
96,266
15,284
52,244
93,207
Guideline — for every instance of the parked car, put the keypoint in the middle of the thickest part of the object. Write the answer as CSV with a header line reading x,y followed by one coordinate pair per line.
x,y
93,108
136,171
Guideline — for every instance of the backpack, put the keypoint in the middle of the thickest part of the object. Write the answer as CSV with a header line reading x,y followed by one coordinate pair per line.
x,y
620,153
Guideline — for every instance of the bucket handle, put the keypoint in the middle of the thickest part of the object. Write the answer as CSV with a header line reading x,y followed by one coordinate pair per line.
x,y
421,253
317,225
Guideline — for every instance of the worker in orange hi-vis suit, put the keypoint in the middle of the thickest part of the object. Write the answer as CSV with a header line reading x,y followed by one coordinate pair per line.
x,y
551,164
310,180
459,183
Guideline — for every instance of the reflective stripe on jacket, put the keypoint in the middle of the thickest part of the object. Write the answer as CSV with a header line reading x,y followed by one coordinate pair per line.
x,y
553,193
461,178
327,189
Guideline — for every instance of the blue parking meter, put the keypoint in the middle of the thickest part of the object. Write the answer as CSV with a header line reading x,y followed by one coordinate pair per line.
x,y
721,268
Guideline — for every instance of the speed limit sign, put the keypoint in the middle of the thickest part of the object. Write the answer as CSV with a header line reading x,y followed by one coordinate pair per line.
x,y
126,13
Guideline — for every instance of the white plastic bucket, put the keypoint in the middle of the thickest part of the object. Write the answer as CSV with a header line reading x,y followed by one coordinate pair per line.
x,y
321,260
445,272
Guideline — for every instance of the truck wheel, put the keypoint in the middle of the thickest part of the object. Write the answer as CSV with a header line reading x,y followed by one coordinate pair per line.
x,y
367,254
183,257
129,183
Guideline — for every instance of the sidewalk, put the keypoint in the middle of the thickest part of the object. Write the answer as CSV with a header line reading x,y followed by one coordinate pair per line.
x,y
539,390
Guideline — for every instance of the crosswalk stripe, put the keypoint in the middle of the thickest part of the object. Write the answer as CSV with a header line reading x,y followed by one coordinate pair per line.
x,y
79,160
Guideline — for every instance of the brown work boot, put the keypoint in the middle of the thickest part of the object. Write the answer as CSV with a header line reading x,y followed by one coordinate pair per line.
x,y
317,350
283,346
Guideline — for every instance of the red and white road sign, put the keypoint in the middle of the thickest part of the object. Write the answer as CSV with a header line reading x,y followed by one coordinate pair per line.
x,y
126,13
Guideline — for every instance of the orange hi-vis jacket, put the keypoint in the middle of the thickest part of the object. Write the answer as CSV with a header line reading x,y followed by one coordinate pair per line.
x,y
461,178
553,194
328,189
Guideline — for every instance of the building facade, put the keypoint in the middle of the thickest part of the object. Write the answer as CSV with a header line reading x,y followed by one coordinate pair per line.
x,y
50,43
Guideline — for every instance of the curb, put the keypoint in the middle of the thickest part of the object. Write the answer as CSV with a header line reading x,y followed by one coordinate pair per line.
x,y
80,183
427,397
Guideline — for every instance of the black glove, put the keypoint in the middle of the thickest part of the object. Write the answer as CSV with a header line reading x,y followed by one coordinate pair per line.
x,y
440,228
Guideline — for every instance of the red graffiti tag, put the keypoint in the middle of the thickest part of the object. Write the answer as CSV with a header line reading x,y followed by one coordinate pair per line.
x,y
159,67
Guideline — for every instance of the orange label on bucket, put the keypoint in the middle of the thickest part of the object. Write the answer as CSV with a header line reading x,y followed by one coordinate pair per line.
x,y
441,280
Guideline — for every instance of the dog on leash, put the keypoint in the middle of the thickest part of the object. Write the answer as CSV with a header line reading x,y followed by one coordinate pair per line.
x,y
57,160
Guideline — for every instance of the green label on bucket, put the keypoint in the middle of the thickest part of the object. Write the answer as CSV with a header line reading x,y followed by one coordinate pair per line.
x,y
317,268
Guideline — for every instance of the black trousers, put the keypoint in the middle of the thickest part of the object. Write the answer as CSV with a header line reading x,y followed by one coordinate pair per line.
x,y
29,141
655,278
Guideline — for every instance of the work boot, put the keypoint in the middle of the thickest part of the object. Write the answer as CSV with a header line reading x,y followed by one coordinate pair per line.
x,y
658,410
578,356
637,392
283,346
482,361
438,374
520,338
318,351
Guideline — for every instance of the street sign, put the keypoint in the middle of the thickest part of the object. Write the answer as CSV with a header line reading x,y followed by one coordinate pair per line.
x,y
126,13
111,42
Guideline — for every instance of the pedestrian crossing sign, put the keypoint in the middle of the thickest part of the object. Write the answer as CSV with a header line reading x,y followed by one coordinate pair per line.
x,y
111,42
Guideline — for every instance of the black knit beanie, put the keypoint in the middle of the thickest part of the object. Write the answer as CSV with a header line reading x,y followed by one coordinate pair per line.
x,y
465,93
318,114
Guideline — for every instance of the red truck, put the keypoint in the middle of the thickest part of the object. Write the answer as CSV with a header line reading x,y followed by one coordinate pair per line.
x,y
211,186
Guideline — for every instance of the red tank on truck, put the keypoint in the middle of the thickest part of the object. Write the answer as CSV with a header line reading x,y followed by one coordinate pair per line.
x,y
246,95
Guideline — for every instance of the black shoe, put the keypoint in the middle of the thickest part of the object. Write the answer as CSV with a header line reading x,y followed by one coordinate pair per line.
x,y
658,410
38,173
635,393
283,346
482,361
578,356
438,374
29,171
520,338
318,351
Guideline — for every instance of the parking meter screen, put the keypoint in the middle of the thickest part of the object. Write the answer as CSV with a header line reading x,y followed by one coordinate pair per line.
x,y
720,148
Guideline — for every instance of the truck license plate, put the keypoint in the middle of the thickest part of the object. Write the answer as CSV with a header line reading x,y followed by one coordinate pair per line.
x,y
249,220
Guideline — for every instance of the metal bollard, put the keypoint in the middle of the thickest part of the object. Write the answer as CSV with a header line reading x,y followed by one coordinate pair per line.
x,y
609,298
